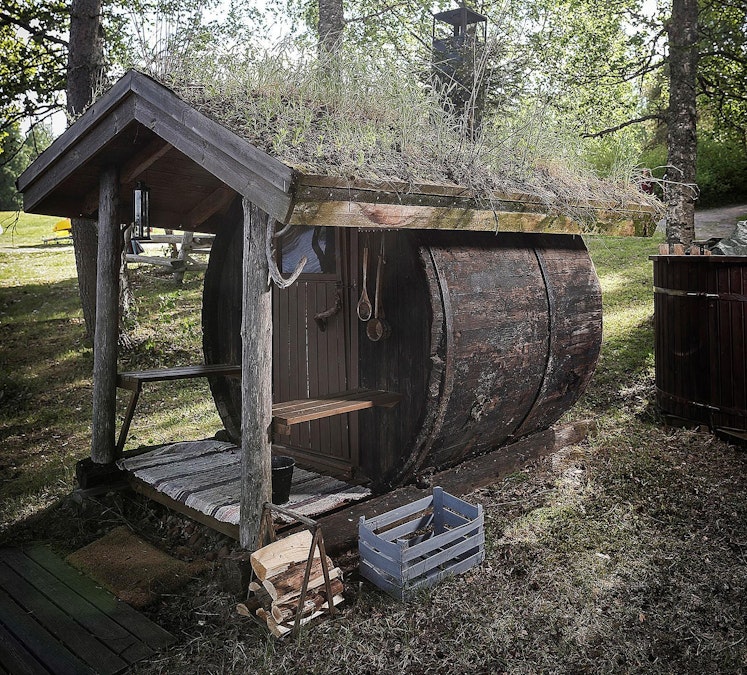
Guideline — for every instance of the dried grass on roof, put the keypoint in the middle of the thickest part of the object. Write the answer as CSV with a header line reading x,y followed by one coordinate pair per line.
x,y
374,119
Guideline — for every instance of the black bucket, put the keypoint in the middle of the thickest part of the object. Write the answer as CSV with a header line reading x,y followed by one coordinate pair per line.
x,y
282,475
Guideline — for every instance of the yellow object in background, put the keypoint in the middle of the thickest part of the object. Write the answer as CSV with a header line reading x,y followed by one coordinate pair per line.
x,y
62,226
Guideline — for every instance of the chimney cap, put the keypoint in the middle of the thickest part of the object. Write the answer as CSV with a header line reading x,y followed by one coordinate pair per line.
x,y
463,16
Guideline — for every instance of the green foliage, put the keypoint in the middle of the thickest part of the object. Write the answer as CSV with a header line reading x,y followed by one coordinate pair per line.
x,y
11,165
722,70
32,70
721,170
15,155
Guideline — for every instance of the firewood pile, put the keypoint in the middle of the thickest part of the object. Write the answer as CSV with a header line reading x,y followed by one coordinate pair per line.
x,y
274,595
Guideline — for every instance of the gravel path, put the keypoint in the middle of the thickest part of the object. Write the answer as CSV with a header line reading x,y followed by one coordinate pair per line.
x,y
718,222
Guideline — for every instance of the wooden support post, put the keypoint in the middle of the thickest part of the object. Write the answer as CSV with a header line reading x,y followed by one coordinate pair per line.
x,y
256,378
107,321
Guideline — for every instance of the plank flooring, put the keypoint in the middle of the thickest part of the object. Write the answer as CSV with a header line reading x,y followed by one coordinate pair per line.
x,y
206,476
55,620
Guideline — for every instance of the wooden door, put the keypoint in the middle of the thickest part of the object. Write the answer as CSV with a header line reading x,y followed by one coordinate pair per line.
x,y
313,357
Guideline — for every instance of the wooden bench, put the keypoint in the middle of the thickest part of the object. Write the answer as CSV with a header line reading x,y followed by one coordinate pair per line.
x,y
133,381
285,415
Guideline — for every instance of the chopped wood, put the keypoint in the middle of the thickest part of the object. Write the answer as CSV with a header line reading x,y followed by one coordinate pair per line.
x,y
275,597
278,556
282,629
257,597
291,580
284,610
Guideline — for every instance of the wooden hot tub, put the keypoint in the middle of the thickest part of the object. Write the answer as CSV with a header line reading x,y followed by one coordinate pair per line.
x,y
700,305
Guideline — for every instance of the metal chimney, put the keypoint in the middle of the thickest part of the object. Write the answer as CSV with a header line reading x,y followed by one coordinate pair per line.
x,y
458,35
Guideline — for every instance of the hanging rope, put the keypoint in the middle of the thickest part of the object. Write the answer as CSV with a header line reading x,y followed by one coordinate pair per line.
x,y
275,275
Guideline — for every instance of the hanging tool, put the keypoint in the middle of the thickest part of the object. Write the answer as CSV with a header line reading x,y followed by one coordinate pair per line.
x,y
378,328
364,308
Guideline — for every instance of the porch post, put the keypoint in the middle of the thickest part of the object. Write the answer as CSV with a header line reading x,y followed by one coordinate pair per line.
x,y
256,377
107,320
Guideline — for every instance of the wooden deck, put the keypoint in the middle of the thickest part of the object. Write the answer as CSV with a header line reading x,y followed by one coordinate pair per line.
x,y
55,620
205,477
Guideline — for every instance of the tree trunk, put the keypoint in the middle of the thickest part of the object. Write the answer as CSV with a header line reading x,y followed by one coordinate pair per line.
x,y
331,24
85,245
256,378
682,123
85,70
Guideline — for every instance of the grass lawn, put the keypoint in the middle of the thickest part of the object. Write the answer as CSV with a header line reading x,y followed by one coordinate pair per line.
x,y
626,553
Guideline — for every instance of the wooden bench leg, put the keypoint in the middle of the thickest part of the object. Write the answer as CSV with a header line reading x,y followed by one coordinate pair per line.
x,y
128,418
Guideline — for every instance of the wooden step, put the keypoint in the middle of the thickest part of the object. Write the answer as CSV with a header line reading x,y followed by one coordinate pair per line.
x,y
286,414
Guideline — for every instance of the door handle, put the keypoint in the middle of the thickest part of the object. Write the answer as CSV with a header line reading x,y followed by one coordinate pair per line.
x,y
322,318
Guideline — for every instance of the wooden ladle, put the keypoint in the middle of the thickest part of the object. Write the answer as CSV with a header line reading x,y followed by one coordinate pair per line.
x,y
364,307
378,328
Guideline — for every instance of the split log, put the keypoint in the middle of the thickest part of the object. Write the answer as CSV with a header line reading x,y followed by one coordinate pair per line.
x,y
292,579
286,610
278,556
281,629
257,597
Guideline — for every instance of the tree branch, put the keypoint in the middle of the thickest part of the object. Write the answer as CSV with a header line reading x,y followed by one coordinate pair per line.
x,y
9,20
375,15
611,130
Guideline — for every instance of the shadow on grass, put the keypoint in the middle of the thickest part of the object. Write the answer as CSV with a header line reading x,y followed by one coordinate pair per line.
x,y
35,303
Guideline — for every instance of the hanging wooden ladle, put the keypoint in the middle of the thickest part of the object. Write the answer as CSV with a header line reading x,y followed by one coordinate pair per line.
x,y
378,328
364,308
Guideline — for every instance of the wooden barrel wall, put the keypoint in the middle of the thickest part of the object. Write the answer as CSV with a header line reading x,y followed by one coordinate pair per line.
x,y
508,343
700,309
493,337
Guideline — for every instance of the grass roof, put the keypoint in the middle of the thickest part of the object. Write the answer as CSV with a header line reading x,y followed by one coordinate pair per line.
x,y
375,119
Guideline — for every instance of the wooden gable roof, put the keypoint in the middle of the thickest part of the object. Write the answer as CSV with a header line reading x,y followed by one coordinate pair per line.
x,y
190,163
194,167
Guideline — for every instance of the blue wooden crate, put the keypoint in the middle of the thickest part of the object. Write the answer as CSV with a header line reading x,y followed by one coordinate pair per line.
x,y
419,544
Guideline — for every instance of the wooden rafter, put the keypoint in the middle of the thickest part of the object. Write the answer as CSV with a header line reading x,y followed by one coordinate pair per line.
x,y
156,149
218,200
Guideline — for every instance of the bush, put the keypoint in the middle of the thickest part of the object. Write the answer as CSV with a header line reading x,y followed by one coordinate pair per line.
x,y
721,172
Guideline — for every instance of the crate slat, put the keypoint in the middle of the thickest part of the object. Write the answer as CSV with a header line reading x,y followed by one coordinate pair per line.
x,y
457,505
451,519
407,528
471,545
376,543
380,561
438,575
400,513
368,571
450,536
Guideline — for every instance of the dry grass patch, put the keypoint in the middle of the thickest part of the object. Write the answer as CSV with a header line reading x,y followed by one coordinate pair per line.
x,y
379,118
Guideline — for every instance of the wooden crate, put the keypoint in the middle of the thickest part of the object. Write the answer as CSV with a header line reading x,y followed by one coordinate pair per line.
x,y
419,544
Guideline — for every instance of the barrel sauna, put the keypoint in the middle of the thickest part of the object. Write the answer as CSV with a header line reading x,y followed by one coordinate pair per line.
x,y
700,317
493,337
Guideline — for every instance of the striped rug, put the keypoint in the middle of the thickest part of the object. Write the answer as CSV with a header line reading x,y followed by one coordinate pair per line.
x,y
206,476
